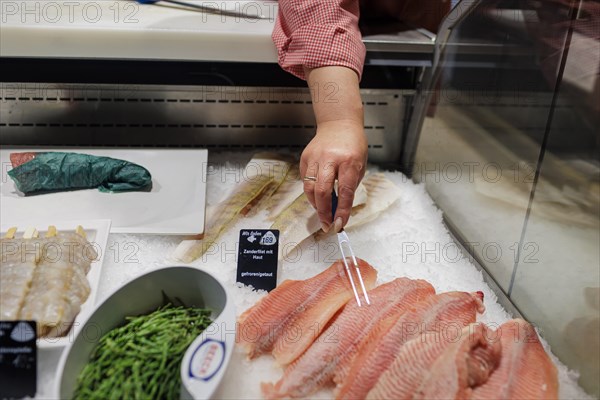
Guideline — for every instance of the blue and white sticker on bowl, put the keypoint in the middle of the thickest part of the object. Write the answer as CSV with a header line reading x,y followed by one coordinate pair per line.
x,y
207,359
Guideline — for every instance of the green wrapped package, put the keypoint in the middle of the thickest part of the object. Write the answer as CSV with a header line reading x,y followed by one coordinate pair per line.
x,y
57,171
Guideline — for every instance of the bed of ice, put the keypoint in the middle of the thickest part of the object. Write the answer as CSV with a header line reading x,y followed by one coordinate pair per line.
x,y
408,239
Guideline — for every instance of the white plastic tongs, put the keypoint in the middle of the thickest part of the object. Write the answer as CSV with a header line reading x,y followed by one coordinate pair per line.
x,y
344,240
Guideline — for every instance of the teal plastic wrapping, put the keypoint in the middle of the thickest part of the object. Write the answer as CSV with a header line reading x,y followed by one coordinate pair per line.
x,y
57,171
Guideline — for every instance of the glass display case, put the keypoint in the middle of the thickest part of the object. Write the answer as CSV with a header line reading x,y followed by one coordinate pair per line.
x,y
509,151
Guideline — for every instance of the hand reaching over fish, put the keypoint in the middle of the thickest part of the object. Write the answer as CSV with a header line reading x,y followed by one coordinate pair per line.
x,y
275,186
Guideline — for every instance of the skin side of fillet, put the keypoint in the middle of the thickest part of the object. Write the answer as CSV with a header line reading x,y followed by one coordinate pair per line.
x,y
260,176
317,365
299,220
436,313
440,366
291,317
286,193
525,370
381,194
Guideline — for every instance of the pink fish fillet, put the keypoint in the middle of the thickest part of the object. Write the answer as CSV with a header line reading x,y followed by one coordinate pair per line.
x,y
439,365
525,370
17,159
441,313
316,367
292,316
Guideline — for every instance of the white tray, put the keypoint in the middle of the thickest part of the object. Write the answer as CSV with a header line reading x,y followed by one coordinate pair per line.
x,y
97,234
175,206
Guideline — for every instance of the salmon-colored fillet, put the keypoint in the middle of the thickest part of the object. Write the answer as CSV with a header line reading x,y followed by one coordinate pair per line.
x,y
339,341
525,370
17,159
440,365
442,312
292,316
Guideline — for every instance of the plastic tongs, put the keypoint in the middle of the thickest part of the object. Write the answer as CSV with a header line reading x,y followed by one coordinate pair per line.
x,y
344,240
207,9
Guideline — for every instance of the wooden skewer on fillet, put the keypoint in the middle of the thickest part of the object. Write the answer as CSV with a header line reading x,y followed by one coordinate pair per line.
x,y
32,232
10,234
51,232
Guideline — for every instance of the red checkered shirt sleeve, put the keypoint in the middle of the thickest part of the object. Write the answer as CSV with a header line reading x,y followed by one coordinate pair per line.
x,y
318,33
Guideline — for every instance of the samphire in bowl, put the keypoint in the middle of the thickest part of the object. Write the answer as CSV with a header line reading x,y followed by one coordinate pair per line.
x,y
205,360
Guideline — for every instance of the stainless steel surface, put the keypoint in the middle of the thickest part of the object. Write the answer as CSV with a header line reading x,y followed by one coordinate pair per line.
x,y
408,41
224,117
144,294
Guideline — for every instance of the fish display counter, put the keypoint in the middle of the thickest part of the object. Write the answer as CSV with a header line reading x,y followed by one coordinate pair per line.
x,y
410,260
161,146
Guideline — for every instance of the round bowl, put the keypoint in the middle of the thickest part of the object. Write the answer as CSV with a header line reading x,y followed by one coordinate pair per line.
x,y
205,360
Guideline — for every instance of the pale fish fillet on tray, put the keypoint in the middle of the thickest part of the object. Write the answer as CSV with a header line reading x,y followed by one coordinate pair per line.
x,y
19,259
525,370
300,221
289,190
316,367
289,318
435,313
44,279
263,174
440,365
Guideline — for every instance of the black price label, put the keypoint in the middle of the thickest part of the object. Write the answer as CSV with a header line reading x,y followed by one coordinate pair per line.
x,y
257,258
18,359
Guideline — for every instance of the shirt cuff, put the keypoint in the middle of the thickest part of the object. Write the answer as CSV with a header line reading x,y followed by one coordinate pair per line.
x,y
315,46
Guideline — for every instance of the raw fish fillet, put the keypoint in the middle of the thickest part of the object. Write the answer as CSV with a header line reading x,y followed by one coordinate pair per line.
x,y
381,193
440,365
17,159
289,190
291,317
525,370
317,365
18,260
441,312
300,220
59,286
263,172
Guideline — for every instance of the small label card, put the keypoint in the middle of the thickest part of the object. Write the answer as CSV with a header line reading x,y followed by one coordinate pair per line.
x,y
18,359
257,258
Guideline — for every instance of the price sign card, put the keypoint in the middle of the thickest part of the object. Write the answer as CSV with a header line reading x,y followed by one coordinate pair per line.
x,y
257,258
18,359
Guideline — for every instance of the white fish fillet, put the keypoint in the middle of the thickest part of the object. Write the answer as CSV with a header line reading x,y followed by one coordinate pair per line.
x,y
18,260
289,190
300,220
381,194
59,285
263,174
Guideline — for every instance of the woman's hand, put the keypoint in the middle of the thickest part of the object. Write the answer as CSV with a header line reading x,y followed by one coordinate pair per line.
x,y
338,151
339,148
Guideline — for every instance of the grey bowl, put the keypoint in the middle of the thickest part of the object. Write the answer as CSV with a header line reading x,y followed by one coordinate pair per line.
x,y
206,359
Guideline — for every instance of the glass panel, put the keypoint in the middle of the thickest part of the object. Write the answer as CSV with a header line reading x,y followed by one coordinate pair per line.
x,y
557,280
480,145
510,153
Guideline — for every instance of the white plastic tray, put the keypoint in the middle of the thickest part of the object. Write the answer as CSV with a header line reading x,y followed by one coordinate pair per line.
x,y
175,206
97,234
